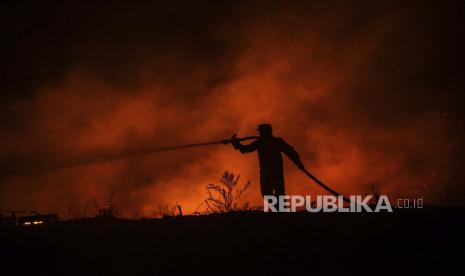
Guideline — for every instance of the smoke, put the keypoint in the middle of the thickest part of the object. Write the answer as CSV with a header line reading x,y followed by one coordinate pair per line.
x,y
367,94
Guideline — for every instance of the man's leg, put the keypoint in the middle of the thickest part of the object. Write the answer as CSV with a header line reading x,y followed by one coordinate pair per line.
x,y
266,186
279,186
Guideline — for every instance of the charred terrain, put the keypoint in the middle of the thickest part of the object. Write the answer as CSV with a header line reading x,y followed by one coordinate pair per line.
x,y
406,242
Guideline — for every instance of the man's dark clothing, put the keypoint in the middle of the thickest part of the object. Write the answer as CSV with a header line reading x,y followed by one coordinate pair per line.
x,y
271,162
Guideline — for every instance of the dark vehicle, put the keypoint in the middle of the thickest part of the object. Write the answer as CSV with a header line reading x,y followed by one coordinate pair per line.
x,y
9,217
38,219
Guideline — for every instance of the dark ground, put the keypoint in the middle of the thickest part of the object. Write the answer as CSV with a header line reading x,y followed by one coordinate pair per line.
x,y
409,242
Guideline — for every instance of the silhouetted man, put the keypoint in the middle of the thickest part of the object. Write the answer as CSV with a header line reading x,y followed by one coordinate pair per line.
x,y
269,156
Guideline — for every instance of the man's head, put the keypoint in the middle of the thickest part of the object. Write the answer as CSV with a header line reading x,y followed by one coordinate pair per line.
x,y
265,130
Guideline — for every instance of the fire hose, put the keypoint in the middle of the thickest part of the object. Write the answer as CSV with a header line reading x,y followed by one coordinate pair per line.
x,y
321,184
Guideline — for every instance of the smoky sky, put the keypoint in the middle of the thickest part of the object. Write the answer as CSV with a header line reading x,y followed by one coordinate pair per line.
x,y
369,93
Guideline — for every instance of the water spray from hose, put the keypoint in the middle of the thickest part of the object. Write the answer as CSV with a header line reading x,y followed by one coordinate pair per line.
x,y
109,157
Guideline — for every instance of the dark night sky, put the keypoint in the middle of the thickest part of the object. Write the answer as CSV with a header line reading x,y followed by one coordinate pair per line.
x,y
369,92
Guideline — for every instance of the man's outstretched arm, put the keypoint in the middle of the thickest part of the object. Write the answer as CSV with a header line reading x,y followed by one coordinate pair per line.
x,y
291,153
243,148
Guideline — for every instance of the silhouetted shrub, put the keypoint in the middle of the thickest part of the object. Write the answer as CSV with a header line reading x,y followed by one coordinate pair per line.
x,y
169,211
107,208
223,197
375,193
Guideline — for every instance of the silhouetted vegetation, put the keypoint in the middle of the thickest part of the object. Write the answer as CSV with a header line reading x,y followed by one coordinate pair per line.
x,y
106,208
375,193
223,197
165,210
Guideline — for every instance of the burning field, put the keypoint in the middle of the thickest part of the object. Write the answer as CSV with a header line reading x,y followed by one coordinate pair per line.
x,y
369,93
